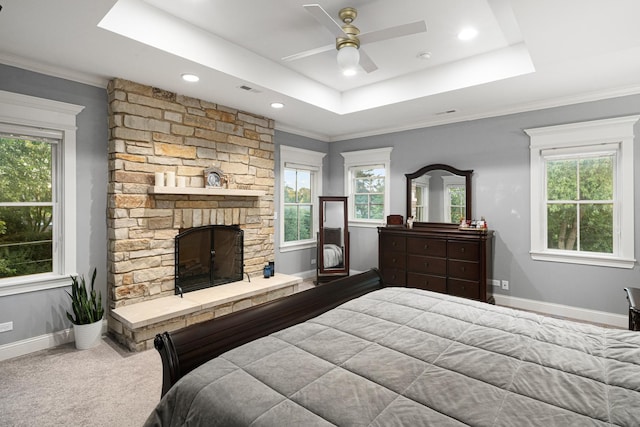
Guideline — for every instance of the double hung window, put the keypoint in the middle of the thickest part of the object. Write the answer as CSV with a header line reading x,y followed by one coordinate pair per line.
x,y
582,193
367,185
301,184
37,193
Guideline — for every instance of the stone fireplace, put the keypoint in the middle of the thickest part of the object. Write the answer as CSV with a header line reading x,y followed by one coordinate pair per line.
x,y
156,131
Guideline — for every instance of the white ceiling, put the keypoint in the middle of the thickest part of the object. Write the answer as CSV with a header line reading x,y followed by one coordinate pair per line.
x,y
529,54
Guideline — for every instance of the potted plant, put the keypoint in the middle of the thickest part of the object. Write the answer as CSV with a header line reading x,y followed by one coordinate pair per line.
x,y
87,312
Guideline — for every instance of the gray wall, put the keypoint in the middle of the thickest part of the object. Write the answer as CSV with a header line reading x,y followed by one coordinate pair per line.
x,y
497,150
38,313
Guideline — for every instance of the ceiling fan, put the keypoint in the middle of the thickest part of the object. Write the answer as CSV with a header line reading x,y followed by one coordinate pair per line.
x,y
349,39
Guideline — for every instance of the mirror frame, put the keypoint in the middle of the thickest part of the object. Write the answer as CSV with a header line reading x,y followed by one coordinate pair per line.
x,y
328,274
439,166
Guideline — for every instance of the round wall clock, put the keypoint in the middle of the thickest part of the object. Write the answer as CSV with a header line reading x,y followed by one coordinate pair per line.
x,y
213,179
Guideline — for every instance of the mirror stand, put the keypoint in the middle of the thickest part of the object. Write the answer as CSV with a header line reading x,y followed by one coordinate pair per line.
x,y
333,239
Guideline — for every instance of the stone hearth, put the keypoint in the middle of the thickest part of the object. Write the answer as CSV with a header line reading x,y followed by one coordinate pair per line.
x,y
138,324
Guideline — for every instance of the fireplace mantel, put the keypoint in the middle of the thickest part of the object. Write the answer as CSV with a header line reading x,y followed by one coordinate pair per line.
x,y
206,191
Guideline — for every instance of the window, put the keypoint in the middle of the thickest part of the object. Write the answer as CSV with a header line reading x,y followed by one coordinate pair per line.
x,y
28,214
366,185
37,193
582,193
301,183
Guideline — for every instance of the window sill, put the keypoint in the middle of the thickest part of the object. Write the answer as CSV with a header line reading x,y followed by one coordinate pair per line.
x,y
33,283
297,246
584,259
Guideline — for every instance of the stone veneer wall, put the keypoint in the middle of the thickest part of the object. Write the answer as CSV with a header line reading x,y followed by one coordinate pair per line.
x,y
153,130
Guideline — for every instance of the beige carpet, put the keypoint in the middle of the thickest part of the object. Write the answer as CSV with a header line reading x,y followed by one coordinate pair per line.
x,y
103,386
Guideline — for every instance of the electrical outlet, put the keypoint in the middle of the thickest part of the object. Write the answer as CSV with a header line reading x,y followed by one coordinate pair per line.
x,y
313,261
505,285
495,283
6,327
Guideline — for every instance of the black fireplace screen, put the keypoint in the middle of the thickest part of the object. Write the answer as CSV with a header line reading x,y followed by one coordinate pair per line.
x,y
208,256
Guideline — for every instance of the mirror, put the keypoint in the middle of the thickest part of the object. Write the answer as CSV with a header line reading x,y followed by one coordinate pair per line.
x,y
333,239
439,194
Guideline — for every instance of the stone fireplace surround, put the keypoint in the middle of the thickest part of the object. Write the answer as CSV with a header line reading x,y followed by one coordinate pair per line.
x,y
152,130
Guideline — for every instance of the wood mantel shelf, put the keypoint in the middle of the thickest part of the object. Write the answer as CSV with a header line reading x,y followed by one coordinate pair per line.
x,y
206,191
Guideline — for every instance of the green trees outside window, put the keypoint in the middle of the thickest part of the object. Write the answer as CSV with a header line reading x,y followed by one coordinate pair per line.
x,y
580,200
26,206
369,193
457,203
298,206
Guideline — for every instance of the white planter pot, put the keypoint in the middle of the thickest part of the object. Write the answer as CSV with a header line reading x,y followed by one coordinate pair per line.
x,y
87,336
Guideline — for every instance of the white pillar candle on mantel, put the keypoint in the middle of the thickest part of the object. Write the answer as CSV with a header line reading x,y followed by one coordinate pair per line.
x,y
182,181
171,179
159,179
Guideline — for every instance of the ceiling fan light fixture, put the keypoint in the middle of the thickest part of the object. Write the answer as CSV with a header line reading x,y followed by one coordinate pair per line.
x,y
348,60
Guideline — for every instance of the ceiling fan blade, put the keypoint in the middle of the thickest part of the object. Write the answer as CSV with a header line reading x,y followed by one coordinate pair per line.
x,y
325,19
309,52
393,32
366,62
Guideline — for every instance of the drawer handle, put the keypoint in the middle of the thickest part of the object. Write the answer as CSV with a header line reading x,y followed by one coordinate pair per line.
x,y
394,243
426,264
461,249
394,260
426,246
462,268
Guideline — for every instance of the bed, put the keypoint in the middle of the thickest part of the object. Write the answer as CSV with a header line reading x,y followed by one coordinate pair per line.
x,y
353,352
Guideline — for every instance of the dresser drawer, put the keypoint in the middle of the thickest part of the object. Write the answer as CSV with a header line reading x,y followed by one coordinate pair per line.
x,y
463,269
392,259
464,288
393,243
463,250
394,277
427,264
427,282
432,247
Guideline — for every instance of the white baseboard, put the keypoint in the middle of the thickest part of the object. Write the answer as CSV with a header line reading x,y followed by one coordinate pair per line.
x,y
42,342
593,316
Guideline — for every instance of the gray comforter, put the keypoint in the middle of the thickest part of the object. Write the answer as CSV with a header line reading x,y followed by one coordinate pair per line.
x,y
406,357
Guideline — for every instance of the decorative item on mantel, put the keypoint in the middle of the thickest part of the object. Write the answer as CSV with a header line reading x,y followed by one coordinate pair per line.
x,y
214,178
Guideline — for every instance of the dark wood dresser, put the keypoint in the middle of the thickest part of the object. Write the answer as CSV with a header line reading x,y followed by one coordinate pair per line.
x,y
438,258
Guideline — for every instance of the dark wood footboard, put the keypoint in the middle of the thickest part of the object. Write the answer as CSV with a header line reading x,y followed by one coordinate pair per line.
x,y
186,349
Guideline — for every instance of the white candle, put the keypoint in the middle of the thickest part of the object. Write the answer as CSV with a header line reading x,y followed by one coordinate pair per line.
x,y
171,179
159,179
182,181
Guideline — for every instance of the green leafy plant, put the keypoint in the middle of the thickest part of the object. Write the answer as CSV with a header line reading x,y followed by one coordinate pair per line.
x,y
87,306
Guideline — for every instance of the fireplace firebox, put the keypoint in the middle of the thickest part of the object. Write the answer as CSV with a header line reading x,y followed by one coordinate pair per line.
x,y
208,256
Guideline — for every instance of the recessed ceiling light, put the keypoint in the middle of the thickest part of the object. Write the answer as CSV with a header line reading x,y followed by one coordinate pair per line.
x,y
277,105
467,34
192,78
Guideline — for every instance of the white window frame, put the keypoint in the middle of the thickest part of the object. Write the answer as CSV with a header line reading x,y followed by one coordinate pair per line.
x,y
578,138
299,158
57,118
361,159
